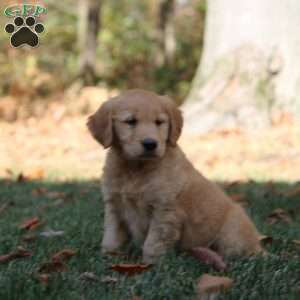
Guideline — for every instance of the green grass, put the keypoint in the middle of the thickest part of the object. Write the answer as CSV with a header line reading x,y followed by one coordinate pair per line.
x,y
80,217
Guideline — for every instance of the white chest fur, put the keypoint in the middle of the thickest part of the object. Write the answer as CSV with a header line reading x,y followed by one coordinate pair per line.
x,y
134,199
135,214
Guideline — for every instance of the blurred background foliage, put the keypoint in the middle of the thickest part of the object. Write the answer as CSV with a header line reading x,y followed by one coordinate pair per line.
x,y
127,54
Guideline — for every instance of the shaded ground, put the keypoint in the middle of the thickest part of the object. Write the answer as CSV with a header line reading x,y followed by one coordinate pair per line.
x,y
77,210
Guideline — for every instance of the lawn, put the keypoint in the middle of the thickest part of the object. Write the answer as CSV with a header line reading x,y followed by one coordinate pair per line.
x,y
75,207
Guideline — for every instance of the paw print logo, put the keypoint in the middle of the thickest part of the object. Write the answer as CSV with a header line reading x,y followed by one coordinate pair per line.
x,y
24,32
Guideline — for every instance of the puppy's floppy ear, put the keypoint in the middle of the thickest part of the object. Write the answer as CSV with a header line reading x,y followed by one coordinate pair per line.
x,y
100,124
176,120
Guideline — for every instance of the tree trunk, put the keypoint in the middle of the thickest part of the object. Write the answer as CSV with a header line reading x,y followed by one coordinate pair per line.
x,y
166,33
88,28
249,66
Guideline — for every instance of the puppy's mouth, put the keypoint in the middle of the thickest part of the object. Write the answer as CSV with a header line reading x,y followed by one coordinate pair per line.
x,y
148,155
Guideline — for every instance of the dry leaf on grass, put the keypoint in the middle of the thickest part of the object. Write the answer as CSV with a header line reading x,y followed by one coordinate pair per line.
x,y
63,255
266,240
93,277
296,242
209,287
51,233
53,267
19,253
31,224
228,185
130,269
278,215
44,278
137,298
89,276
108,279
57,262
239,198
209,257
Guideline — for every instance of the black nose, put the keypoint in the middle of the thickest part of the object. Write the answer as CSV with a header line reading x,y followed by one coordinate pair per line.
x,y
149,144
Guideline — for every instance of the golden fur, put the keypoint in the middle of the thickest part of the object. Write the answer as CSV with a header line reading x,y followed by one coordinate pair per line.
x,y
161,199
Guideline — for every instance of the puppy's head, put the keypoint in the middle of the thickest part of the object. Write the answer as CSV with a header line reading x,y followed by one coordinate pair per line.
x,y
140,123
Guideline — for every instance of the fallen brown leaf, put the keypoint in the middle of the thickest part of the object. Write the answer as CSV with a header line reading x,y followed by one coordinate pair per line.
x,y
89,276
51,233
137,298
278,215
31,224
44,278
130,269
19,253
296,242
266,240
109,279
209,257
63,255
209,287
228,185
239,198
93,277
53,267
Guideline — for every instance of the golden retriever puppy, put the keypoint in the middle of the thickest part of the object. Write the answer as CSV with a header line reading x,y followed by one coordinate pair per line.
x,y
152,193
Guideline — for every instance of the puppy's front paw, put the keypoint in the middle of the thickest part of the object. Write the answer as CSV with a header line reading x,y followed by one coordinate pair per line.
x,y
150,256
109,247
108,251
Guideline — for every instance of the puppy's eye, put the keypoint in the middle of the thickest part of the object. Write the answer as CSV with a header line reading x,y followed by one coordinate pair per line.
x,y
131,122
159,122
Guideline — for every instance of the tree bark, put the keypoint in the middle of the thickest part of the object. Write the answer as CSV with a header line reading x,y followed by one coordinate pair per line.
x,y
88,29
249,66
166,33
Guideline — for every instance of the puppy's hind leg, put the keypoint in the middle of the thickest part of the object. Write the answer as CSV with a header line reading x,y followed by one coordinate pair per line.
x,y
239,236
115,234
